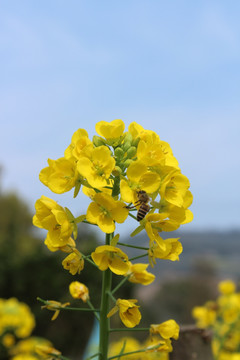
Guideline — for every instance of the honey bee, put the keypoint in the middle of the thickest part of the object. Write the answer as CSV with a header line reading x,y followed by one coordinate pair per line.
x,y
144,208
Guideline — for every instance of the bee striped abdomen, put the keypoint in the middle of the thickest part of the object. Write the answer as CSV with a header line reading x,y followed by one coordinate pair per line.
x,y
142,211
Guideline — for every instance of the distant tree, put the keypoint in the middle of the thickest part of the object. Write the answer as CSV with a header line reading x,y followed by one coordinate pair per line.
x,y
29,270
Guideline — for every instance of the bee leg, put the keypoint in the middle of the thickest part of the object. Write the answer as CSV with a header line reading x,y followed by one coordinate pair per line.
x,y
130,206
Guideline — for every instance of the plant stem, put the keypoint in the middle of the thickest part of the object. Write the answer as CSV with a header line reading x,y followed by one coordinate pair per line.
x,y
120,284
133,246
129,329
104,321
138,257
92,308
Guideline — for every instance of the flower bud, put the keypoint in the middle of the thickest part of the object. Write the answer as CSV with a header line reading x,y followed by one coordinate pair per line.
x,y
131,152
127,162
135,142
117,171
128,138
98,141
119,152
126,145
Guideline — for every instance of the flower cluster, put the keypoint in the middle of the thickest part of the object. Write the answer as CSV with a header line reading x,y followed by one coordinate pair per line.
x,y
223,318
124,174
157,346
114,170
16,325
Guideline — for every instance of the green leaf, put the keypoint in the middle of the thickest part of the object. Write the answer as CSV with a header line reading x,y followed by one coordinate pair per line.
x,y
115,240
77,188
69,214
137,230
75,230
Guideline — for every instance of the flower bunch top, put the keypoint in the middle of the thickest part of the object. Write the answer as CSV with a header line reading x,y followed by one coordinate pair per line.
x,y
122,172
113,168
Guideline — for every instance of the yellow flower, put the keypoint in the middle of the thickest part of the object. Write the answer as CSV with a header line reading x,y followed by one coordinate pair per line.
x,y
47,352
67,248
79,291
168,329
104,211
139,274
227,287
157,154
157,349
74,262
160,346
168,249
174,188
129,344
204,315
111,130
159,222
128,312
8,340
52,217
28,346
80,146
139,178
98,167
54,306
60,176
16,318
107,256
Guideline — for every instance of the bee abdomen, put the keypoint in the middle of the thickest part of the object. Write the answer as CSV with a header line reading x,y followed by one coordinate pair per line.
x,y
142,211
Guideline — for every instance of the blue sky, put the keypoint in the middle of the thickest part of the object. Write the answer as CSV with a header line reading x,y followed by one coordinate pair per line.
x,y
173,67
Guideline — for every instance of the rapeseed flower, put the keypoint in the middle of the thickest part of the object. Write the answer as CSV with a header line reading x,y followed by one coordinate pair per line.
x,y
104,211
16,318
80,146
52,217
139,275
60,176
55,306
79,291
168,329
107,256
128,312
97,168
74,262
110,130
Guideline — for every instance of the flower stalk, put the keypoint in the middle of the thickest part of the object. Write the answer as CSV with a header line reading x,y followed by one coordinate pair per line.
x,y
104,321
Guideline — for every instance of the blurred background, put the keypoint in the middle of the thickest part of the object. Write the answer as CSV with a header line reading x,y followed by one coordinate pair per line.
x,y
173,67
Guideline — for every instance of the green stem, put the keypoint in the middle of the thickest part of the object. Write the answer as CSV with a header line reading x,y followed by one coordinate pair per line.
x,y
89,260
134,217
93,356
104,321
112,297
93,309
120,284
138,257
129,329
133,352
133,246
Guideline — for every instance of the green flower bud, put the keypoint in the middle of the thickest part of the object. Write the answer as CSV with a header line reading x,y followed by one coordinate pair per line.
x,y
119,153
127,163
131,152
128,137
135,142
117,171
98,141
126,145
